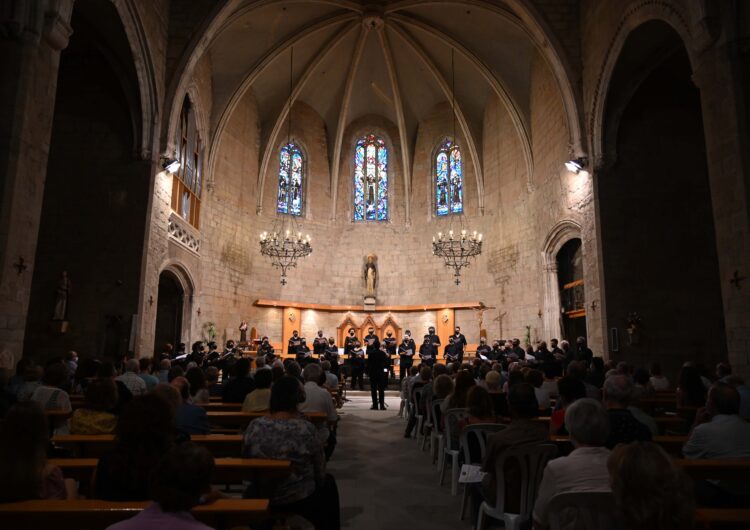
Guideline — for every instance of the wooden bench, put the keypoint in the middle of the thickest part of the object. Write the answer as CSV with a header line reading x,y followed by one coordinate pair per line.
x,y
94,514
226,470
716,469
717,517
95,445
671,444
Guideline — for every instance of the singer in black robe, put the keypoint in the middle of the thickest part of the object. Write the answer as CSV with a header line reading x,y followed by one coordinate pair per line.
x,y
406,359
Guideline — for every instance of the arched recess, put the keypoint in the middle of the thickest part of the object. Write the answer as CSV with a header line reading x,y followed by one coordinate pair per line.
x,y
632,19
656,223
561,233
174,306
146,74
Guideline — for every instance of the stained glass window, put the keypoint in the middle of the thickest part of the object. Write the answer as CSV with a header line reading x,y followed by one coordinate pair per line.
x,y
449,180
289,198
371,179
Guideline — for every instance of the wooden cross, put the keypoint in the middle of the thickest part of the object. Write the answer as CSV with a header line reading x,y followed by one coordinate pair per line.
x,y
499,320
20,266
736,279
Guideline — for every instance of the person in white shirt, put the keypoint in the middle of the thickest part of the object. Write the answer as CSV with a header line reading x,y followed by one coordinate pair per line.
x,y
657,380
318,399
332,382
131,379
585,469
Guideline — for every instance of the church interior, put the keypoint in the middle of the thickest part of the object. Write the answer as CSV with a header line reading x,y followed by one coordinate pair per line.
x,y
239,186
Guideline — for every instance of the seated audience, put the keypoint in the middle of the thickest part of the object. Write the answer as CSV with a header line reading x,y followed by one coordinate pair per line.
x,y
189,418
479,406
285,435
95,416
164,366
260,363
499,399
51,396
536,379
181,481
175,372
318,399
623,426
26,473
145,431
570,390
16,381
691,391
131,379
144,363
442,386
212,382
332,381
198,391
106,370
578,369
258,399
240,385
720,433
457,399
32,378
641,384
522,430
424,378
649,491
658,381
585,469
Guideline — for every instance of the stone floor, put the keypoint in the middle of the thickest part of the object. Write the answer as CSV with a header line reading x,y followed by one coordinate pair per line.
x,y
384,480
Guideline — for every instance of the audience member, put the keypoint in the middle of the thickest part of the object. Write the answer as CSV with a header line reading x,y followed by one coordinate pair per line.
x,y
95,416
657,380
649,491
585,469
198,391
106,370
691,391
258,399
164,366
215,389
144,364
479,407
175,372
457,399
285,435
720,433
145,432
26,473
624,427
318,399
522,430
180,481
536,379
240,385
332,381
641,384
131,379
50,395
189,418
425,375
571,389
32,378
499,399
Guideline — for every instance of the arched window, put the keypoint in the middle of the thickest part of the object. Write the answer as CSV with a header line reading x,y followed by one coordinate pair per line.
x,y
291,177
188,181
371,179
449,180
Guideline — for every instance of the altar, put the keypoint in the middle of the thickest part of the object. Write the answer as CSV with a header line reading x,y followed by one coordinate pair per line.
x,y
307,318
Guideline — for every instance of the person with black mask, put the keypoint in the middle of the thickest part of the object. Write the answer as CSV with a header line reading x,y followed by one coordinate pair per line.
x,y
377,370
319,345
484,349
434,339
331,354
391,345
265,349
459,341
357,361
406,351
428,351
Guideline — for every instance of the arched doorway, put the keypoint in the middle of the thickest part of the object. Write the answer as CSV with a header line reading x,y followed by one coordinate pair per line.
x,y
570,283
658,245
169,309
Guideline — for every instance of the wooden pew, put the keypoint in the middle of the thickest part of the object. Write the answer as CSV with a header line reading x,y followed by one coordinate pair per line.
x,y
94,514
671,444
716,469
88,445
226,470
717,517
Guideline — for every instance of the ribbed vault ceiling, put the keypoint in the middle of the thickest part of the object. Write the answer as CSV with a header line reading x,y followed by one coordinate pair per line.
x,y
353,59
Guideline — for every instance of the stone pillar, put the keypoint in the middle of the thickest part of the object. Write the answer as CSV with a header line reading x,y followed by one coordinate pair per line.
x,y
716,73
551,322
33,32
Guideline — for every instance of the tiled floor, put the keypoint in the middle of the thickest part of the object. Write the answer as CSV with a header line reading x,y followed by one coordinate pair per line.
x,y
385,481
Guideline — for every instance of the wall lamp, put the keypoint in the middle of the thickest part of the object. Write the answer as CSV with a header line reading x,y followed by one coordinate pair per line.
x,y
171,165
576,165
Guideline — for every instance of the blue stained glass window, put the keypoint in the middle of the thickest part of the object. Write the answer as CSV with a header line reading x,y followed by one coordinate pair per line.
x,y
289,198
371,179
449,180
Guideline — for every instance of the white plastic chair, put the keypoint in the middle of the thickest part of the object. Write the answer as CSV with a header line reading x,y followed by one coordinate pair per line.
x,y
478,432
436,434
453,416
531,460
592,510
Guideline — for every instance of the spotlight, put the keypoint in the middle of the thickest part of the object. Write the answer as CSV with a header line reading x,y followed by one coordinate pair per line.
x,y
170,165
575,165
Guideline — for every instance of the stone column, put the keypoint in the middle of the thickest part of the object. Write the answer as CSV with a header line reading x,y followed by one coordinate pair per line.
x,y
716,73
552,328
33,34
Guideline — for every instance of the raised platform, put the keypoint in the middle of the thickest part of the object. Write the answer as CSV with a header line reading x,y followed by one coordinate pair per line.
x,y
378,309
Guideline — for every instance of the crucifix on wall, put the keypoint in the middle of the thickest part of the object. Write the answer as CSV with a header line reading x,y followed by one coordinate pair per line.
x,y
499,319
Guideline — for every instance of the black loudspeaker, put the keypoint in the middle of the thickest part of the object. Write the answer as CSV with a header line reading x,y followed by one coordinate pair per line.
x,y
614,339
